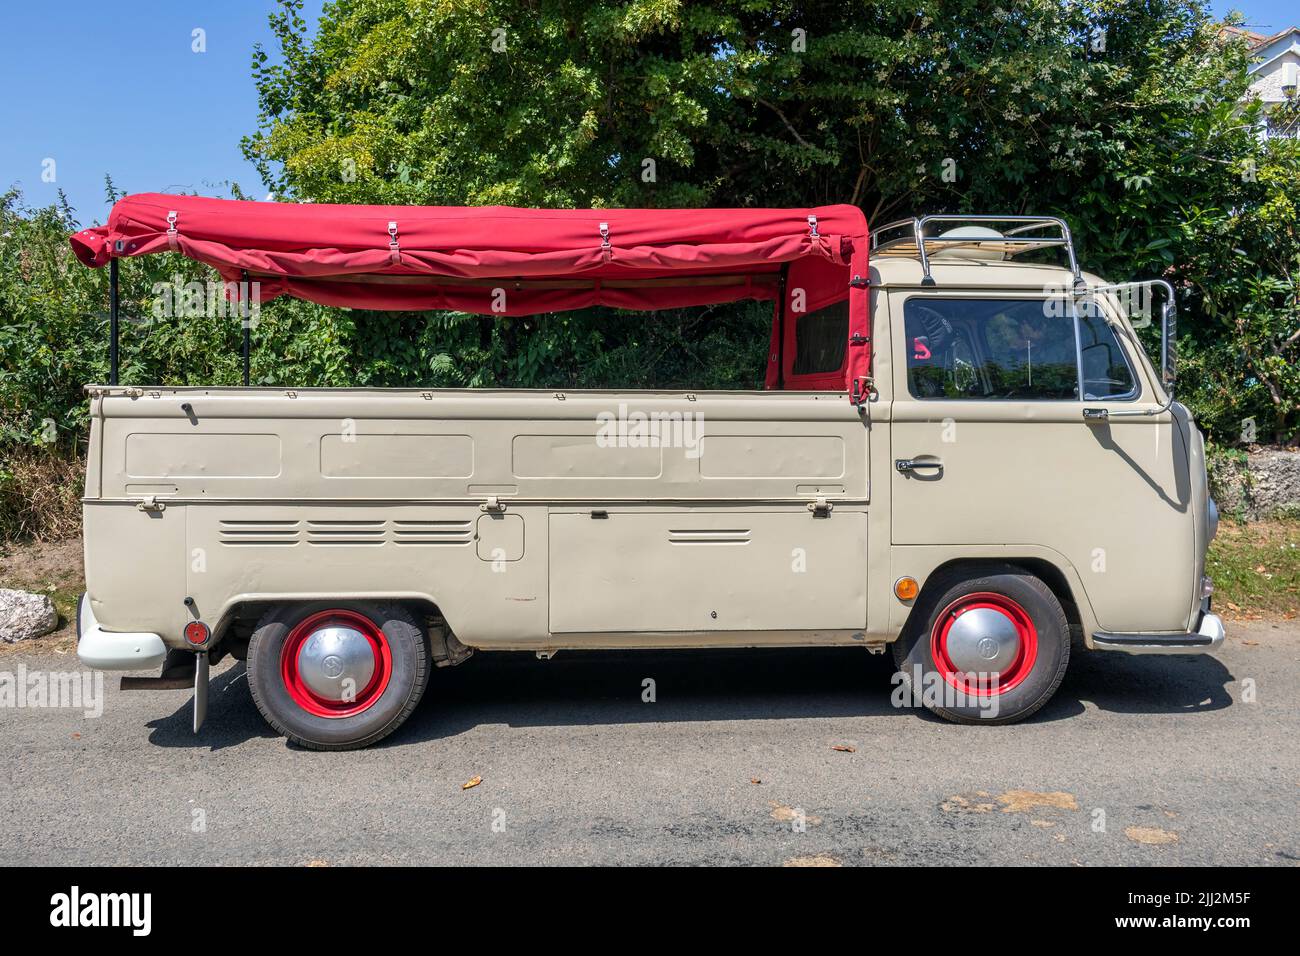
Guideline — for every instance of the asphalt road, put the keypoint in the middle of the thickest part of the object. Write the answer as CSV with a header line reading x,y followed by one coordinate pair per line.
x,y
1137,760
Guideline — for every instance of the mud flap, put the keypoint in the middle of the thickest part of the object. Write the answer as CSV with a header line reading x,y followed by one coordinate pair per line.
x,y
200,689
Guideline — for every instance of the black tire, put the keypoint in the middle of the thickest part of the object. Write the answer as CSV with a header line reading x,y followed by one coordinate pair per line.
x,y
913,649
409,649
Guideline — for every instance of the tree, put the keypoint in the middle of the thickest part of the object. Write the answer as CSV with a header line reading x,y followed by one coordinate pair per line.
x,y
1122,115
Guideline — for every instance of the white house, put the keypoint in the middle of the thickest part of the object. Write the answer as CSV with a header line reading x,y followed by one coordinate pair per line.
x,y
1274,69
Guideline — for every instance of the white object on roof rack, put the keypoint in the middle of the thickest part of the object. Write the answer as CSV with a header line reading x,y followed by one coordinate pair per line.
x,y
1006,236
980,248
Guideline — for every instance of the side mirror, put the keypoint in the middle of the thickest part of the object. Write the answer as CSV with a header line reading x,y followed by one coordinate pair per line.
x,y
1168,342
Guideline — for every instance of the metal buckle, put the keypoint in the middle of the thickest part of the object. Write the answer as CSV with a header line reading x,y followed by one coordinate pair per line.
x,y
171,230
394,253
863,390
812,228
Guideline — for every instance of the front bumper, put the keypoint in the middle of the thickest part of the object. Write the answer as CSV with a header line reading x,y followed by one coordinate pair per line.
x,y
115,650
1208,637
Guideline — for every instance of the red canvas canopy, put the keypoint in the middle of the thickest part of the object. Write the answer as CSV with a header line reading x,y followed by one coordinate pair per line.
x,y
498,260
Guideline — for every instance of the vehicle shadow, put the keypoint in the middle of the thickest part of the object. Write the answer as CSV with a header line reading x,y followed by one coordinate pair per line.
x,y
601,687
232,718
595,688
1141,684
591,688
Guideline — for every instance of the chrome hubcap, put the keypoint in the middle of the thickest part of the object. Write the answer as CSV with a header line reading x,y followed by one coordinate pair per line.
x,y
983,640
336,663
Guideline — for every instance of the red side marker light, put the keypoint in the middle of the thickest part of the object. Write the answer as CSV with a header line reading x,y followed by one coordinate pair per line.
x,y
196,632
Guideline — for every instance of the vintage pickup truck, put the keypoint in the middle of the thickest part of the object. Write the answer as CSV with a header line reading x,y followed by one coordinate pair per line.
x,y
962,454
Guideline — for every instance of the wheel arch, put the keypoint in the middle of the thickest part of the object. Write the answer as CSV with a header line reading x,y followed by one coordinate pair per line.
x,y
240,614
1050,574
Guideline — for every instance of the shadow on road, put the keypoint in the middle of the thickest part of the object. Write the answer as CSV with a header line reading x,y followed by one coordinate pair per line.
x,y
595,688
1143,684
233,718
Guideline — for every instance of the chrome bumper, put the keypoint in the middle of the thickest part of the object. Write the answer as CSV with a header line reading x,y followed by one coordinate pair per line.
x,y
1204,640
115,651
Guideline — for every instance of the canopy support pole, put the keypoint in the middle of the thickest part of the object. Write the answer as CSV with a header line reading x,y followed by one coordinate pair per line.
x,y
780,327
246,315
112,321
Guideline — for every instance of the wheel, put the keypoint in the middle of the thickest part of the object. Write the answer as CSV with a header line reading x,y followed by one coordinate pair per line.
x,y
337,677
989,645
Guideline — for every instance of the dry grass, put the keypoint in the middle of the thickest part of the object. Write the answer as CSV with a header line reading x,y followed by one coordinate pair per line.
x,y
40,494
1256,569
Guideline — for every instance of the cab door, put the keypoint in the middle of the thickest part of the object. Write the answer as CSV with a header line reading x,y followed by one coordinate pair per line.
x,y
990,447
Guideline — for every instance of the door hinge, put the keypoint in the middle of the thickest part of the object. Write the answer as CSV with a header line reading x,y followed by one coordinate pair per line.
x,y
821,508
150,503
492,504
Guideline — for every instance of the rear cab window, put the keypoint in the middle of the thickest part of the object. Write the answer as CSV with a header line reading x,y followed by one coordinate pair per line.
x,y
821,340
1012,350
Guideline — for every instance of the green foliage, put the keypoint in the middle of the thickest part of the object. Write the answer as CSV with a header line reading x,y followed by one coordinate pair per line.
x,y
1125,116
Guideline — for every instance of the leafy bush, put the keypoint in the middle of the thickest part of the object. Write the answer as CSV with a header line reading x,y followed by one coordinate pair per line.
x,y
1124,116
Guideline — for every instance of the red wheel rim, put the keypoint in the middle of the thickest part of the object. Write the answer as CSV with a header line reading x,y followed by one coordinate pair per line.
x,y
980,683
298,681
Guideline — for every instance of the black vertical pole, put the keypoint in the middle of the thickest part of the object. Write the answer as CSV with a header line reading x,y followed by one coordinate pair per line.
x,y
112,321
246,313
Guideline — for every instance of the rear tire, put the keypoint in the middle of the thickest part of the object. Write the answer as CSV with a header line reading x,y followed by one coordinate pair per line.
x,y
333,676
996,667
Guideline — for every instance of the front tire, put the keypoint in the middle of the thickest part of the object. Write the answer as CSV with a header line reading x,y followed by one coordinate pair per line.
x,y
988,644
337,677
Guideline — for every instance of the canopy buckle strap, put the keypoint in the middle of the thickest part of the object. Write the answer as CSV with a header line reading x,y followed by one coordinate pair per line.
x,y
863,390
812,228
605,248
394,252
172,235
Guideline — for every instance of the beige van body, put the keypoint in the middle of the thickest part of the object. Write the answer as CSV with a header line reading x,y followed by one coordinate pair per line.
x,y
539,520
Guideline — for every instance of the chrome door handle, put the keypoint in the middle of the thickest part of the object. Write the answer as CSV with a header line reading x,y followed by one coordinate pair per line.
x,y
907,465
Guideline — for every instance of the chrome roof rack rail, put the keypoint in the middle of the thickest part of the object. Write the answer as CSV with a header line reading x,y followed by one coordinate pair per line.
x,y
1026,234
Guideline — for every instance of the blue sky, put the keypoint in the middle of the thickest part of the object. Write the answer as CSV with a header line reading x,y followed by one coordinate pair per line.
x,y
116,88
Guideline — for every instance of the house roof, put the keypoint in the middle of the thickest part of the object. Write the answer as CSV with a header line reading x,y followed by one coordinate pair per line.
x,y
1256,41
1250,36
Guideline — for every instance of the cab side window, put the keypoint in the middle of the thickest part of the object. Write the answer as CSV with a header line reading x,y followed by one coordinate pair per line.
x,y
1106,372
1009,349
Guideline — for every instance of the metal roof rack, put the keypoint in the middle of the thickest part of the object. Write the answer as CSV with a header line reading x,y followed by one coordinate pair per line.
x,y
1026,234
